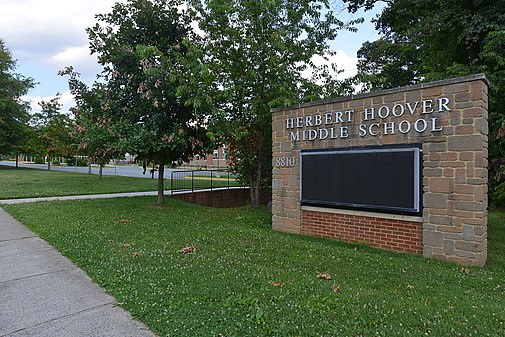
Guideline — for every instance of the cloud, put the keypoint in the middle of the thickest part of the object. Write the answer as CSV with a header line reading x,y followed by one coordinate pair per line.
x,y
46,36
66,100
79,57
340,59
70,55
343,61
50,33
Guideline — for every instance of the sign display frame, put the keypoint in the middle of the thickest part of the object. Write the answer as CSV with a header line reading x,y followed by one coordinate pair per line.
x,y
384,178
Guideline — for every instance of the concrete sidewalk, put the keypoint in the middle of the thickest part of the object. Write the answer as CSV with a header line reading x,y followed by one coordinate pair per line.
x,y
43,294
80,197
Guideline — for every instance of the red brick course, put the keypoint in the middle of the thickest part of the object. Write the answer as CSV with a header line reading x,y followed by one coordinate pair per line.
x,y
390,234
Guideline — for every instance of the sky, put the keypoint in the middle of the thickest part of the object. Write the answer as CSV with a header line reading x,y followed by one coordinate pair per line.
x,y
44,36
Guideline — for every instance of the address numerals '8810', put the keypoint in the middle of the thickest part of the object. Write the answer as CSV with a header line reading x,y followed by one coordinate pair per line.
x,y
285,162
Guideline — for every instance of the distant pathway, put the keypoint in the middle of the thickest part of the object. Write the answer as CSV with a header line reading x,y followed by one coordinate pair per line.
x,y
79,197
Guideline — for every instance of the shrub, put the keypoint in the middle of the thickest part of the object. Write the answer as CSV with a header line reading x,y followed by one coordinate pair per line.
x,y
81,161
40,160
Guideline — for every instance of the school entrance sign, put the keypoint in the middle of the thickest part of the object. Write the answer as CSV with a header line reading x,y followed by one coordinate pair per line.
x,y
403,169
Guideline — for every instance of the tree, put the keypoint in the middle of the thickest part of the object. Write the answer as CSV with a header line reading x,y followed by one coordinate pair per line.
x,y
13,111
426,38
146,48
256,52
429,40
385,64
93,130
51,131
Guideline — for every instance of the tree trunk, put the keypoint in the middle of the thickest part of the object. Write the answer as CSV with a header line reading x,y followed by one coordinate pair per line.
x,y
100,171
17,159
474,50
255,187
48,162
258,175
161,187
251,189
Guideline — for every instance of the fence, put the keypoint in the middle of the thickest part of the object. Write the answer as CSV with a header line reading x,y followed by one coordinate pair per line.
x,y
201,179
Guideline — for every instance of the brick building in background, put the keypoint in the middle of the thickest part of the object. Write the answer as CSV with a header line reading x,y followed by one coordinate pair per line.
x,y
217,160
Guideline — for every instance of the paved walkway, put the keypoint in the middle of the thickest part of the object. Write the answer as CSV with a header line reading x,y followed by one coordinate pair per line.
x,y
43,294
77,197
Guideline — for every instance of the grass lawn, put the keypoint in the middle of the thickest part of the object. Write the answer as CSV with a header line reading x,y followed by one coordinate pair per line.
x,y
243,279
34,183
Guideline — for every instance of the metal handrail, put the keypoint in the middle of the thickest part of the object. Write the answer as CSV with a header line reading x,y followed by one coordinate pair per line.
x,y
192,180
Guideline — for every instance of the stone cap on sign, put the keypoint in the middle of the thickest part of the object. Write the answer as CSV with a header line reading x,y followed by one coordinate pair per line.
x,y
363,213
455,80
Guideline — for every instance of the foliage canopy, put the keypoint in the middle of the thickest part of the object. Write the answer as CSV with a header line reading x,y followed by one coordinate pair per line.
x,y
147,53
50,133
13,111
257,51
429,40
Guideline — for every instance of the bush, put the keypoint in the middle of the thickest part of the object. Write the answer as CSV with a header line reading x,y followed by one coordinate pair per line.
x,y
497,195
81,161
497,183
40,160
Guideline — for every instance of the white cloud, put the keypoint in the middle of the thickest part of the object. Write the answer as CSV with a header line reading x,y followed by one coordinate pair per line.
x,y
51,33
71,54
45,24
66,100
45,36
78,57
341,59
344,62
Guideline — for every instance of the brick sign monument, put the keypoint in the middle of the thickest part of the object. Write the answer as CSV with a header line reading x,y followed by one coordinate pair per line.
x,y
402,169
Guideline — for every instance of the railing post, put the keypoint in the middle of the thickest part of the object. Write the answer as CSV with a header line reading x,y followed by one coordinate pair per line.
x,y
211,174
192,179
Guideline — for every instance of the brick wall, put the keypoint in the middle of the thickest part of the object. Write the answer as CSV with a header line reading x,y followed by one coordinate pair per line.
x,y
449,119
226,198
381,232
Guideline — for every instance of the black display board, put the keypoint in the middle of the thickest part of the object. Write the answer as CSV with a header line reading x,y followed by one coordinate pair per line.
x,y
385,179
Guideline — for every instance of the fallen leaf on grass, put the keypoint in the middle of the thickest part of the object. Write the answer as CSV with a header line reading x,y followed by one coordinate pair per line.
x,y
187,250
410,286
136,254
324,276
128,244
122,221
336,288
465,270
277,284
